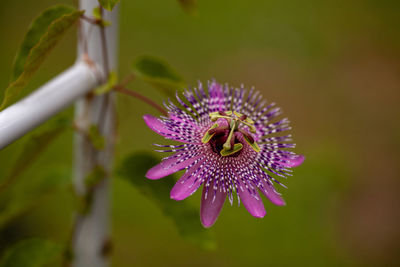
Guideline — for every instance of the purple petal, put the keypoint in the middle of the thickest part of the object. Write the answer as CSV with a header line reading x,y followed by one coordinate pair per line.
x,y
175,118
185,122
296,161
272,195
187,184
217,97
169,166
210,207
253,205
156,125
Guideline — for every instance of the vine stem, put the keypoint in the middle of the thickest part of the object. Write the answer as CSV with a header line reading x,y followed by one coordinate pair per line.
x,y
104,50
106,69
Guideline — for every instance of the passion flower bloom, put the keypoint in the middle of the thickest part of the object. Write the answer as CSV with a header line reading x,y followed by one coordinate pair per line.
x,y
232,143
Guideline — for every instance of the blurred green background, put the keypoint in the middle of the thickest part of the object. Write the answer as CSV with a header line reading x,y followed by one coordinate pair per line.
x,y
334,68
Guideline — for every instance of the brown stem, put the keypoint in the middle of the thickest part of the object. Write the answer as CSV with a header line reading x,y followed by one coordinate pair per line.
x,y
81,131
104,47
134,94
68,253
90,20
106,69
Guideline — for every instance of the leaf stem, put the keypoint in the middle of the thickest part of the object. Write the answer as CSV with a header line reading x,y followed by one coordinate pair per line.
x,y
134,94
126,80
90,20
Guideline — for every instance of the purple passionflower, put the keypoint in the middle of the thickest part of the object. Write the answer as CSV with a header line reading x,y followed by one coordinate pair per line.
x,y
232,142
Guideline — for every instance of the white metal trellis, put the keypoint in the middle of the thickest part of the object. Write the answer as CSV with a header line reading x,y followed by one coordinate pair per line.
x,y
48,100
92,229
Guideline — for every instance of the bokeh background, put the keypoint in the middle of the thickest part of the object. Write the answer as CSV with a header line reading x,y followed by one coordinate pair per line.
x,y
334,68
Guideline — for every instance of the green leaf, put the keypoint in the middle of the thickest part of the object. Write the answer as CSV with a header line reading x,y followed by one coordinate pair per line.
x,y
190,6
33,147
158,73
17,196
42,36
38,142
28,191
36,30
108,4
31,253
108,86
184,215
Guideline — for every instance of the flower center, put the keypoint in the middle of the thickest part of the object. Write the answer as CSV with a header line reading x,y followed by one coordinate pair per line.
x,y
223,139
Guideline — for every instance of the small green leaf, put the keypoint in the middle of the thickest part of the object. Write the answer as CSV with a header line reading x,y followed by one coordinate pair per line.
x,y
105,23
95,176
158,73
108,4
99,18
108,86
184,215
96,138
190,6
97,12
31,253
42,36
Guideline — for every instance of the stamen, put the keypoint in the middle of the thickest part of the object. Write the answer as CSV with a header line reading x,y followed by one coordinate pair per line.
x,y
216,115
207,137
252,128
218,129
252,144
236,148
250,140
246,134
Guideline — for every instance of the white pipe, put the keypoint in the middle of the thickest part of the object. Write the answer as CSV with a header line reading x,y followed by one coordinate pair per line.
x,y
55,95
92,234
